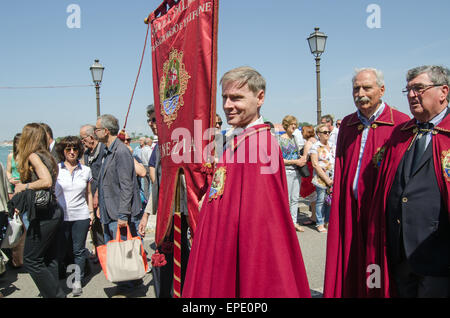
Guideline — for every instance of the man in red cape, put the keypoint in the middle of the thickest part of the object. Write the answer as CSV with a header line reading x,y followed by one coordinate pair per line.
x,y
409,234
245,244
361,140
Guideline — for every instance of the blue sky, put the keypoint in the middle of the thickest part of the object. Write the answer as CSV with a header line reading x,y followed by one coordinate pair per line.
x,y
38,49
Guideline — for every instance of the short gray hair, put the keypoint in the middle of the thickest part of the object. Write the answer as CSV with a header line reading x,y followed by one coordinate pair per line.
x,y
90,130
378,74
328,118
439,75
111,123
245,75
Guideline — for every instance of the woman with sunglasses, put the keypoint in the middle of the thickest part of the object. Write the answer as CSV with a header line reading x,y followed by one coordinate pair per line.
x,y
73,191
322,158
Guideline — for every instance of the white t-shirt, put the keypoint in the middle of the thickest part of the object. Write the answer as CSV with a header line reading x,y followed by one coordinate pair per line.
x,y
70,191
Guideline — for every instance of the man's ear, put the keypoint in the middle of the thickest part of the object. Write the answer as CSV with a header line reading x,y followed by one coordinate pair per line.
x,y
445,91
260,96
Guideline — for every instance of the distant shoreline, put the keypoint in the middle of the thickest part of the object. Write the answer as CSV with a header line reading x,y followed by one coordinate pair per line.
x,y
6,143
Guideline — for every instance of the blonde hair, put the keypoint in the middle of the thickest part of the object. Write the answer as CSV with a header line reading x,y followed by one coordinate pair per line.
x,y
245,75
318,127
289,120
33,140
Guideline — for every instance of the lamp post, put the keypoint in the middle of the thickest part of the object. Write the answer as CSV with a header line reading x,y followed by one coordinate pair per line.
x,y
317,41
97,76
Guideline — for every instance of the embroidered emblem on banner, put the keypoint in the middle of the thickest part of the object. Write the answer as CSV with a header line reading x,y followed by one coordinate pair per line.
x,y
172,86
446,164
378,157
218,183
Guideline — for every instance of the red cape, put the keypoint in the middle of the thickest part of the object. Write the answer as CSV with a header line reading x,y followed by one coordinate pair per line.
x,y
245,244
345,262
397,146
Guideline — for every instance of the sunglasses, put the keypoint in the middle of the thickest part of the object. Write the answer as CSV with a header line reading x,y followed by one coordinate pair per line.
x,y
151,120
69,149
219,123
128,139
325,132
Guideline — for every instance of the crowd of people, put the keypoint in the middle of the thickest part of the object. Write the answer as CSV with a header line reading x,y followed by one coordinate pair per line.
x,y
377,182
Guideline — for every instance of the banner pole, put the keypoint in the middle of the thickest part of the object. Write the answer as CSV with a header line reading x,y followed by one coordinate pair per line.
x,y
177,243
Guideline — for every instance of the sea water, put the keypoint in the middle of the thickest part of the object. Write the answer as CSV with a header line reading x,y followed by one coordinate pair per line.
x,y
4,151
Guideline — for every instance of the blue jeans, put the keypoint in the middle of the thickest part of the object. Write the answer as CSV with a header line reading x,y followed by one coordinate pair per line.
x,y
322,209
110,230
77,231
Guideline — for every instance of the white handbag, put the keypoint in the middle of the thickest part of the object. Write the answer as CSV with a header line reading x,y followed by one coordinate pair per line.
x,y
3,260
123,260
13,232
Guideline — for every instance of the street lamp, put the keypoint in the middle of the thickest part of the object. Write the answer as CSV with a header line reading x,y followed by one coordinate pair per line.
x,y
97,76
317,41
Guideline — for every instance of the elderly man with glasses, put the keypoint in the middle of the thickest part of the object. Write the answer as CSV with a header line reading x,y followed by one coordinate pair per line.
x,y
411,215
92,157
361,141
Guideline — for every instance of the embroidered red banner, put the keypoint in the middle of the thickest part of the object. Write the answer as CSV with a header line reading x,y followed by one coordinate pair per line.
x,y
184,57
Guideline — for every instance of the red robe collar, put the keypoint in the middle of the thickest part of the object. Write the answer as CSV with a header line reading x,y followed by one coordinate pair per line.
x,y
386,118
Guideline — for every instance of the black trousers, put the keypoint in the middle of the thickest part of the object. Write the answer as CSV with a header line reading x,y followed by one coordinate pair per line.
x,y
413,285
41,252
97,231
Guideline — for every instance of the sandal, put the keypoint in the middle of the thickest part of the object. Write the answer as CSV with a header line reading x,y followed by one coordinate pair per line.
x,y
298,228
321,229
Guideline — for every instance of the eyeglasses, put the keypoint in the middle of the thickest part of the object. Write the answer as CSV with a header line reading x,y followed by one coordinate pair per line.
x,y
97,129
69,149
83,138
325,132
219,123
151,120
418,89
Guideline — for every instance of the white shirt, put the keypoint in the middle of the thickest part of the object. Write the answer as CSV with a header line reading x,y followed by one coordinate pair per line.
x,y
334,136
259,121
70,191
367,125
435,121
299,138
236,131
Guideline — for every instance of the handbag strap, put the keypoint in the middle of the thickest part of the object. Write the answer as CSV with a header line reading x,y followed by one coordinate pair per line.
x,y
129,237
300,150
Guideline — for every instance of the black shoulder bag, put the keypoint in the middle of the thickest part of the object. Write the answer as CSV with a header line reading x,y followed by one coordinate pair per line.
x,y
304,171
